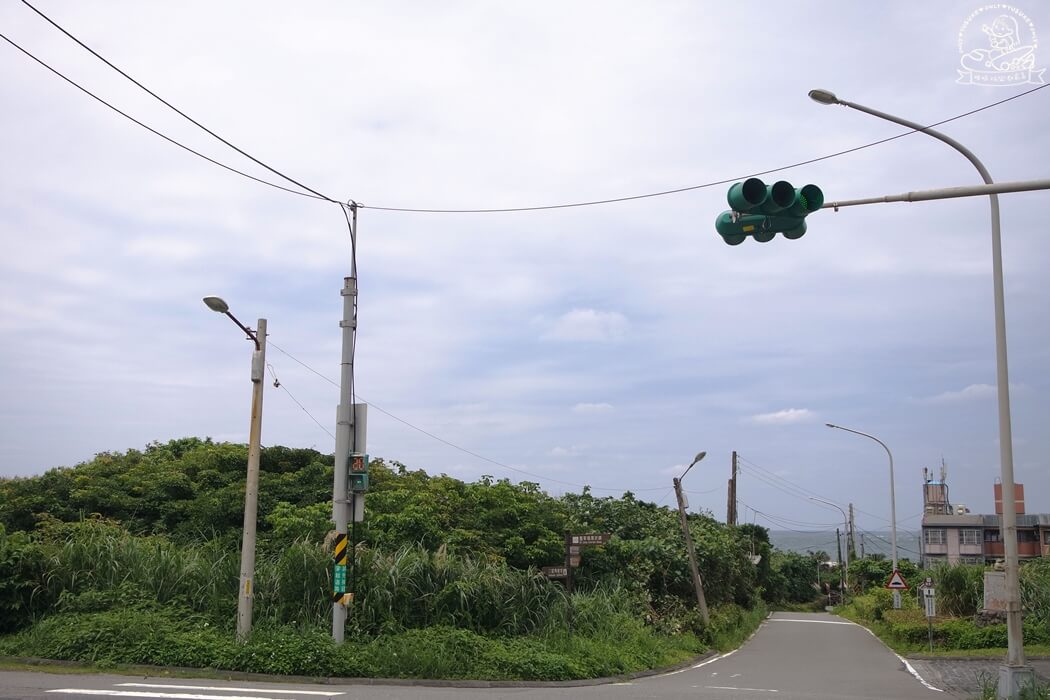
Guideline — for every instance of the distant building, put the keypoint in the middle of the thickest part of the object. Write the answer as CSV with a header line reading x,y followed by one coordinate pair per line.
x,y
953,535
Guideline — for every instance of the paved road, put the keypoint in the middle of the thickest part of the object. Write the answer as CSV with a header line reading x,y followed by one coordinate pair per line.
x,y
793,656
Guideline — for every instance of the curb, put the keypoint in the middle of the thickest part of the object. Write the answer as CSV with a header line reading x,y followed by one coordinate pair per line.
x,y
181,671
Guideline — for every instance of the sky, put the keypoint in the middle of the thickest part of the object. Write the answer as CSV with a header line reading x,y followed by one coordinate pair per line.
x,y
601,345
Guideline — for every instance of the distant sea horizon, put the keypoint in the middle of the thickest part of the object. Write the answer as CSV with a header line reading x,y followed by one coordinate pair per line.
x,y
874,542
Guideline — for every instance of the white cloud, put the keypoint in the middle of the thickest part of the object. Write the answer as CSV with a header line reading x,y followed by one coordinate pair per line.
x,y
788,416
973,392
592,408
588,325
628,328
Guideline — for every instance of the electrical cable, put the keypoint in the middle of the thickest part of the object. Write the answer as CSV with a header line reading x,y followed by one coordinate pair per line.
x,y
317,195
705,185
457,447
279,384
804,490
151,129
173,107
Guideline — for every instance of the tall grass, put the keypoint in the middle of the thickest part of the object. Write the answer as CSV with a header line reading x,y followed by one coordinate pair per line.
x,y
1035,591
960,588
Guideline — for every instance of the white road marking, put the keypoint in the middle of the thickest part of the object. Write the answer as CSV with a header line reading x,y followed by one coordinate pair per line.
x,y
226,687
907,665
702,663
753,690
915,673
149,694
819,622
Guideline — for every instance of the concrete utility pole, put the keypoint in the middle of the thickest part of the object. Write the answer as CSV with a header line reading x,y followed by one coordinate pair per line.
x,y
697,584
1014,673
344,429
246,592
731,515
851,542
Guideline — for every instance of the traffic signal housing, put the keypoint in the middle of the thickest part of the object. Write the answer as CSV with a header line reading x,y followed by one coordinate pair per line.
x,y
358,482
762,211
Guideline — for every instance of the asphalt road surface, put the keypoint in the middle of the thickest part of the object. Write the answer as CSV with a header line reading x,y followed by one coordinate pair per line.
x,y
793,656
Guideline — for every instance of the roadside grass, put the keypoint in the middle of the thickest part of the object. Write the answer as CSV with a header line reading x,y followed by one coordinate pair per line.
x,y
907,630
171,638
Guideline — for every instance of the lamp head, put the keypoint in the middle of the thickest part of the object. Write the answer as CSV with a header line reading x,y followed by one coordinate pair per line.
x,y
824,97
699,456
217,304
831,425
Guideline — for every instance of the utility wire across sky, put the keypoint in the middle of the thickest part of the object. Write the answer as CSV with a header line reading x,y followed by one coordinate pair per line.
x,y
478,210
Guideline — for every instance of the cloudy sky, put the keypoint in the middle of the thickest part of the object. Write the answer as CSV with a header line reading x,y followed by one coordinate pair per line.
x,y
602,345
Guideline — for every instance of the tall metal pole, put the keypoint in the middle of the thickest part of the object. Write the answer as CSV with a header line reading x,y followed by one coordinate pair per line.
x,y
246,591
1013,674
893,496
345,419
698,585
846,524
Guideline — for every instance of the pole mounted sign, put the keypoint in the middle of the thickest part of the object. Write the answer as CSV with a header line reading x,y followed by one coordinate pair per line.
x,y
897,582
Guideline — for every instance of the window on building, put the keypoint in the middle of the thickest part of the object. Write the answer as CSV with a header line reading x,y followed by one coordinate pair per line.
x,y
930,562
1027,536
1046,536
992,536
969,536
971,559
933,535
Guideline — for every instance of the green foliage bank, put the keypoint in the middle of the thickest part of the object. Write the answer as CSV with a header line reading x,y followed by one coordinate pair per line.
x,y
134,558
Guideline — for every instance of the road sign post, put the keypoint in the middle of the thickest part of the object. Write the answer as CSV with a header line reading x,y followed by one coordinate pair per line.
x,y
897,584
930,606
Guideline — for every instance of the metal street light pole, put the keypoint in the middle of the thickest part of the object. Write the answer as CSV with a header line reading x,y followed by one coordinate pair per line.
x,y
845,531
893,495
245,591
698,586
1013,674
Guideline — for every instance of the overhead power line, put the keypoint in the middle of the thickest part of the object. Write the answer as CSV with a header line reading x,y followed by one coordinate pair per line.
x,y
478,210
458,447
150,128
178,111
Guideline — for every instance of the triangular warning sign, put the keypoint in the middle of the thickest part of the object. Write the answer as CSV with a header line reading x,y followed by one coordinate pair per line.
x,y
896,582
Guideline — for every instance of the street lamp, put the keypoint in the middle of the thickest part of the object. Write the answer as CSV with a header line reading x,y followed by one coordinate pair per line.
x,y
845,532
893,496
1014,673
698,586
251,489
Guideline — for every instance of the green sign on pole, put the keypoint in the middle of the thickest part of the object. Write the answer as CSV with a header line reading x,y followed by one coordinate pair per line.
x,y
339,579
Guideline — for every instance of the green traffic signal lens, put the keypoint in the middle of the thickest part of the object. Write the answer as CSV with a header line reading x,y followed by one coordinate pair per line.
x,y
812,198
781,196
747,195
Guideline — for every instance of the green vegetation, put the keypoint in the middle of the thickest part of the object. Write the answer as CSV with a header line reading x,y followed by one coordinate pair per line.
x,y
959,596
133,559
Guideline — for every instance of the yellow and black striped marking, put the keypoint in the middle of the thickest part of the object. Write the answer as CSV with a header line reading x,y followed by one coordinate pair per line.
x,y
339,553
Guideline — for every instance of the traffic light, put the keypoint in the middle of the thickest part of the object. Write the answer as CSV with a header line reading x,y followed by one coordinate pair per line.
x,y
762,211
358,472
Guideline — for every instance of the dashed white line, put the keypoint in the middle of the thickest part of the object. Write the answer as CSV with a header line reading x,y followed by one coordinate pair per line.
x,y
818,622
150,694
753,690
228,688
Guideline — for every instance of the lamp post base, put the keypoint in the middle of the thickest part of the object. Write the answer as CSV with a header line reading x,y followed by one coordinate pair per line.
x,y
1013,680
